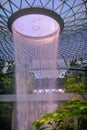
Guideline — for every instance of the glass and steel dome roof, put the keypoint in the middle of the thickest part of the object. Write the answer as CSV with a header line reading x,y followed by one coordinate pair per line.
x,y
73,38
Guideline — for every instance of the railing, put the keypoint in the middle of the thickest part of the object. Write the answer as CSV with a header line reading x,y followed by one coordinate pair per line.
x,y
38,97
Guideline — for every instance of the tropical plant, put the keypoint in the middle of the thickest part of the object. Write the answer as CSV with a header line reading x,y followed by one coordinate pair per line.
x,y
76,81
6,77
6,87
5,115
71,116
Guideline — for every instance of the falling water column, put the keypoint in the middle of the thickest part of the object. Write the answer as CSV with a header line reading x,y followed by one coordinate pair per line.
x,y
35,41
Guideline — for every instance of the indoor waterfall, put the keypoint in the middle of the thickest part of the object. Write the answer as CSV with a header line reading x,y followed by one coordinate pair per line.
x,y
36,71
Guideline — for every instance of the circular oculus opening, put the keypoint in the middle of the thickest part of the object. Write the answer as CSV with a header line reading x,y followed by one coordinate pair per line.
x,y
36,25
35,22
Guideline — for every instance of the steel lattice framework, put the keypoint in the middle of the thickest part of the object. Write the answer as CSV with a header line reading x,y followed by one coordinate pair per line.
x,y
73,39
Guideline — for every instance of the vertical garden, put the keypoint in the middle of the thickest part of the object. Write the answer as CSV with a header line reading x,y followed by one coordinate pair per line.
x,y
6,87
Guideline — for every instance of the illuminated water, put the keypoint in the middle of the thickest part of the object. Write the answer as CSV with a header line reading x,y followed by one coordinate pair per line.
x,y
36,72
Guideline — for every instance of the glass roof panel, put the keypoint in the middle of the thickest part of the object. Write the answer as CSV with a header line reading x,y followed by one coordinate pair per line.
x,y
73,39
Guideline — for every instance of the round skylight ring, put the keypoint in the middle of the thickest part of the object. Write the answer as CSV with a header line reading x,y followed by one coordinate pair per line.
x,y
7,8
35,10
36,25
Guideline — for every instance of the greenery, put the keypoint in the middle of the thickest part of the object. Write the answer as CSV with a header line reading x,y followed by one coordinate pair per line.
x,y
5,115
72,115
76,81
6,77
6,87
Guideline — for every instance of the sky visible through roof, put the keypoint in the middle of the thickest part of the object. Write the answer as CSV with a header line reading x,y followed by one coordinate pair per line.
x,y
73,43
